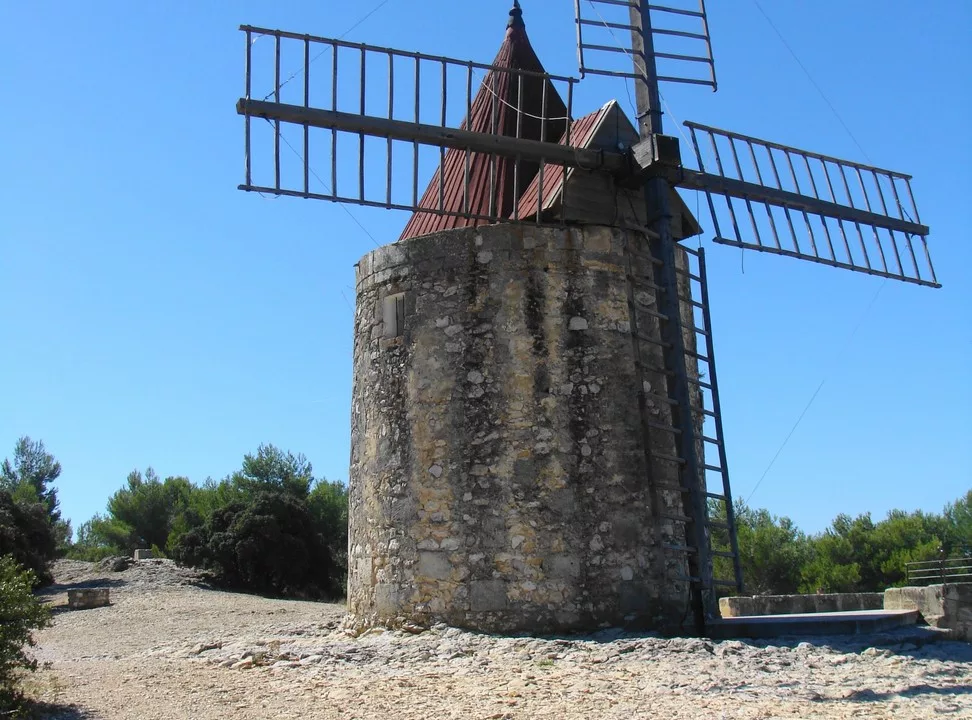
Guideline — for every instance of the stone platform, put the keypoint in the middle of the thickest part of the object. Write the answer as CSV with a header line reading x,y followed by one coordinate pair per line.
x,y
827,623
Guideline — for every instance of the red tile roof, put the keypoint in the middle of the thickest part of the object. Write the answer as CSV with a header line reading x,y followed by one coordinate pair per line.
x,y
582,132
516,53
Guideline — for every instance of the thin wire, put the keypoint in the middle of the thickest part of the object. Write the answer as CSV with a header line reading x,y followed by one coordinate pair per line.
x,y
488,89
347,32
327,187
902,208
837,358
812,81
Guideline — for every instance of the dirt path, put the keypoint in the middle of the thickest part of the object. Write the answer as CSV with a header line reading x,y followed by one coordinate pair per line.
x,y
167,648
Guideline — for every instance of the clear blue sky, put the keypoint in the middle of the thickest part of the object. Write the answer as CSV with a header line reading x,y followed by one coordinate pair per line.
x,y
152,314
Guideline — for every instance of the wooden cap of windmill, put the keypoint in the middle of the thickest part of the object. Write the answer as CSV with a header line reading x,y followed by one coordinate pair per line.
x,y
499,92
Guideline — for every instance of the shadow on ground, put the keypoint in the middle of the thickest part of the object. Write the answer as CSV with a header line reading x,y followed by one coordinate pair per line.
x,y
913,691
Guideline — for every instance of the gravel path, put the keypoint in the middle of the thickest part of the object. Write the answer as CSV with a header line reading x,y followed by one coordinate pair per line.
x,y
168,647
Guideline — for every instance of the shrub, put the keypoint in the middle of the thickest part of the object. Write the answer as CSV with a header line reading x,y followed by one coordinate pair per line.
x,y
269,544
27,535
20,614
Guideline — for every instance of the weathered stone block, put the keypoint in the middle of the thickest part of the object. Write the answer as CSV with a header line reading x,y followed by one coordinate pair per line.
x,y
434,565
86,598
487,595
946,606
143,554
797,604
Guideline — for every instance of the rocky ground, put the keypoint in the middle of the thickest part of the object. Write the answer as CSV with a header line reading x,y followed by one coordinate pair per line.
x,y
170,647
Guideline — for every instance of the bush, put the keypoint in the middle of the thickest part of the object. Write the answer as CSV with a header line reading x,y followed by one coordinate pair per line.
x,y
20,614
268,544
26,534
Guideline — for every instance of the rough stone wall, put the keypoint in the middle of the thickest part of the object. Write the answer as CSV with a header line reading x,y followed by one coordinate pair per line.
x,y
498,474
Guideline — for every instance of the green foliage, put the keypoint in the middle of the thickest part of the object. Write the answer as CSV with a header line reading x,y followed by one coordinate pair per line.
x,y
859,555
26,535
328,505
272,469
958,523
270,544
268,527
771,550
20,615
30,477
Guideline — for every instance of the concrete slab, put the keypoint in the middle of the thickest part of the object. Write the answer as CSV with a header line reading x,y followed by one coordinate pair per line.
x,y
832,623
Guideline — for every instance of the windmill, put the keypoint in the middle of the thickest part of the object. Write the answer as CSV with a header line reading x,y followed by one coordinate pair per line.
x,y
513,153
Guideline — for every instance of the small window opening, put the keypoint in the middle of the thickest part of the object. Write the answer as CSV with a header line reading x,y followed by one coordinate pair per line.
x,y
394,315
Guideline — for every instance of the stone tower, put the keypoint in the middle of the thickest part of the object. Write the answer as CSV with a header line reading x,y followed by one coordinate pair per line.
x,y
501,477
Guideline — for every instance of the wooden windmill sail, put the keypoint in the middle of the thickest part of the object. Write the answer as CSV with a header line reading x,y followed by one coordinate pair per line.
x,y
518,156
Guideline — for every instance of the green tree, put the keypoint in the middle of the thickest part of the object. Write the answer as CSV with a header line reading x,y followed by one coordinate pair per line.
x,y
272,469
20,615
25,534
958,525
328,506
771,551
146,507
31,475
270,544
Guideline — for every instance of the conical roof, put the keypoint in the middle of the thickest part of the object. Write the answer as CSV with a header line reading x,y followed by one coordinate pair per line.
x,y
499,96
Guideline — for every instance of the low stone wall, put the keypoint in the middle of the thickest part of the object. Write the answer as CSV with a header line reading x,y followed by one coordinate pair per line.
x,y
948,607
86,598
795,604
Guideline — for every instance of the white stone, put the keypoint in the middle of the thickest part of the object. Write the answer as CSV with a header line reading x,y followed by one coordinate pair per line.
x,y
596,543
453,330
435,471
626,573
516,541
442,321
467,497
474,377
484,256
577,323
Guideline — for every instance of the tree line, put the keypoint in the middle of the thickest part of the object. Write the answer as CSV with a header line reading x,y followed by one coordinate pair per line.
x,y
272,527
855,554
269,527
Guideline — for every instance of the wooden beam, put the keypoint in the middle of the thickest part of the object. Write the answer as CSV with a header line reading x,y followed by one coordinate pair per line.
x,y
436,135
783,198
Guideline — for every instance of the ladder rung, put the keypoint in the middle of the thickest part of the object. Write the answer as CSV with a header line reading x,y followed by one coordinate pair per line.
x,y
683,273
718,524
679,548
707,439
702,410
663,398
676,517
698,330
670,486
662,426
660,371
696,303
700,383
714,468
669,458
725,583
688,578
654,314
722,553
647,256
697,356
641,282
653,341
